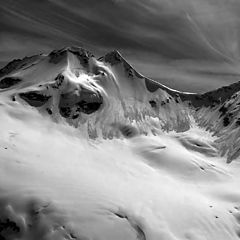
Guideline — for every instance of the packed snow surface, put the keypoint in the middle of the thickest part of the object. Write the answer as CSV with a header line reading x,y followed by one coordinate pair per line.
x,y
92,150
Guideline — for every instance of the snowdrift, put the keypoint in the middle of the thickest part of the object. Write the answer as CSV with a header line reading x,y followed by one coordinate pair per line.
x,y
92,149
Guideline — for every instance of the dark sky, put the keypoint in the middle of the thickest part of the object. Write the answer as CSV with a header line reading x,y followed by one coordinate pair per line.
x,y
190,45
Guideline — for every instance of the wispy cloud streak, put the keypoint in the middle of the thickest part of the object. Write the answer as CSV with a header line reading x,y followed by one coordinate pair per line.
x,y
153,30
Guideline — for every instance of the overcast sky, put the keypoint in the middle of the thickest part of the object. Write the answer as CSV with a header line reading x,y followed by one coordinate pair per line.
x,y
190,45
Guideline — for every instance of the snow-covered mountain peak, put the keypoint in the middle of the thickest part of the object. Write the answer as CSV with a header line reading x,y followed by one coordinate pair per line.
x,y
97,95
82,54
113,57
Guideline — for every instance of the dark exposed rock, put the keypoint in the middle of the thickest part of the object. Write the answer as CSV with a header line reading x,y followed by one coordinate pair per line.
x,y
58,81
75,116
238,122
8,228
208,99
153,104
49,111
71,104
82,106
88,107
128,131
65,111
72,236
113,58
226,121
8,224
57,56
151,86
128,69
9,82
82,55
16,64
223,110
35,99
220,95
10,67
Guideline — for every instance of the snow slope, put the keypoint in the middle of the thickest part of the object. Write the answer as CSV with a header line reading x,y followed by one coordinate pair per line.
x,y
91,149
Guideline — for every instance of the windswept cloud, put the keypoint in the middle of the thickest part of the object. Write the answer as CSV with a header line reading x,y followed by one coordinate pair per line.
x,y
153,30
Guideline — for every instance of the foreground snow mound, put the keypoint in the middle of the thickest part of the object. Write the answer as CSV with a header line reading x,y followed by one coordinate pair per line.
x,y
56,184
91,149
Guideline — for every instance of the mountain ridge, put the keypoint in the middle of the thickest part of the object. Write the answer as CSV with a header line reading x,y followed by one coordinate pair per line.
x,y
113,57
72,84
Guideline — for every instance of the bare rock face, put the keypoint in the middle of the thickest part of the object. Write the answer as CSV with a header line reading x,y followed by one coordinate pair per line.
x,y
82,55
57,56
18,64
113,58
34,98
75,102
63,89
8,82
71,102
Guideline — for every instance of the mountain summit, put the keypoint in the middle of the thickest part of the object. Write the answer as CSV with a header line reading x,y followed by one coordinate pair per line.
x,y
72,85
